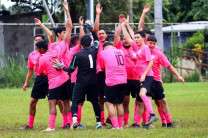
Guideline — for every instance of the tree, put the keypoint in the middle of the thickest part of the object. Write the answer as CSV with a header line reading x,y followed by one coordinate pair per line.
x,y
200,10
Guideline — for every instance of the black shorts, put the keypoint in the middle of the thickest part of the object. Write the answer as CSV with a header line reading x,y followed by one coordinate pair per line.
x,y
157,90
133,87
85,88
40,88
101,83
147,84
115,94
73,85
62,92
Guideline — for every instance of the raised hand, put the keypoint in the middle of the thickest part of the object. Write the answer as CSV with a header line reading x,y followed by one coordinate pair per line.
x,y
98,8
124,22
37,21
81,21
88,24
146,8
121,16
65,5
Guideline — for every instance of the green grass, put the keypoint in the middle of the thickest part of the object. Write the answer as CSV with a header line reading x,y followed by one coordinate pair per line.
x,y
188,106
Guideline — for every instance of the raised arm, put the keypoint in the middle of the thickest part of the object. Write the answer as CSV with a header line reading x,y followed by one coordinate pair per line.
x,y
118,30
142,18
66,8
174,71
67,35
81,29
97,18
50,34
129,27
125,33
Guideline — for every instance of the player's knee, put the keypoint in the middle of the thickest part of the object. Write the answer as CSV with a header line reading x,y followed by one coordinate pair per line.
x,y
33,103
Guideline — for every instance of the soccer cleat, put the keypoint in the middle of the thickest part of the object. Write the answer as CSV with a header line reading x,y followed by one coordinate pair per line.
x,y
108,121
164,125
126,125
104,125
171,125
48,129
115,128
147,126
98,126
121,128
75,125
135,126
68,126
25,128
152,119
81,126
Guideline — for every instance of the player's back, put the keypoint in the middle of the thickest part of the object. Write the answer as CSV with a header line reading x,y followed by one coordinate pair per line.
x,y
114,66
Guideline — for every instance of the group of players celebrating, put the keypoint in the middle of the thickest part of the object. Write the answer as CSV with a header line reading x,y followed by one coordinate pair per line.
x,y
73,67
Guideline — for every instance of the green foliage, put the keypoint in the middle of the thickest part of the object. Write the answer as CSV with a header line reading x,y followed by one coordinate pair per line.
x,y
13,71
195,77
200,10
197,38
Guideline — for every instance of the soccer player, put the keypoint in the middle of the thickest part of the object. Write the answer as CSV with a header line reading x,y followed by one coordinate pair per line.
x,y
85,60
100,74
145,72
116,79
59,86
157,89
132,75
40,88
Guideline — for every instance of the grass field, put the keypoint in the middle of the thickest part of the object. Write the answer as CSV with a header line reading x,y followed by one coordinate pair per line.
x,y
188,105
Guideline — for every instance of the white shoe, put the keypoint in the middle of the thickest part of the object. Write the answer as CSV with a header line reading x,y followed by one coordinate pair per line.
x,y
48,129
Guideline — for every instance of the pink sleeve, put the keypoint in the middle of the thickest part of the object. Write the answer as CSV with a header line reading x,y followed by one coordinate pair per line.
x,y
147,53
41,66
102,65
163,60
134,46
29,63
119,45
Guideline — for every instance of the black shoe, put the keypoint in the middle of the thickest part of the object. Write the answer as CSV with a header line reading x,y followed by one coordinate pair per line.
x,y
135,126
108,121
164,125
68,126
104,125
171,125
147,126
152,119
25,128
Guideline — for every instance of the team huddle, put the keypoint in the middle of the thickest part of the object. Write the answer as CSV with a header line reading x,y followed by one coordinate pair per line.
x,y
75,67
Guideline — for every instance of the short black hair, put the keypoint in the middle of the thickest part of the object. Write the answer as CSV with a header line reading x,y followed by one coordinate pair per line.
x,y
42,44
59,30
102,29
152,38
107,44
141,33
147,31
86,41
39,35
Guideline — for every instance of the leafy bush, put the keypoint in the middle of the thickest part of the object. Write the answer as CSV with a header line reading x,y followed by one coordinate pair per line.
x,y
197,38
13,71
195,77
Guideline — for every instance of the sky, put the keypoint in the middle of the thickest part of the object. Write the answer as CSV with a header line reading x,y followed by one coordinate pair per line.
x,y
7,3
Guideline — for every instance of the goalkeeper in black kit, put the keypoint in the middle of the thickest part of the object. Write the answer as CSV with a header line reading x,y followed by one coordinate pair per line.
x,y
85,60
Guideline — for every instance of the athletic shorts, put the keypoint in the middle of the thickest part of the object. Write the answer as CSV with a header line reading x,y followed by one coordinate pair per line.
x,y
133,87
85,88
157,90
73,85
115,94
101,83
147,84
62,92
40,88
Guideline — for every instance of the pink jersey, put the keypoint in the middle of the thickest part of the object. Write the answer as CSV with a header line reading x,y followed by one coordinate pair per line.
x,y
100,48
144,56
72,52
114,63
55,78
158,59
33,61
130,61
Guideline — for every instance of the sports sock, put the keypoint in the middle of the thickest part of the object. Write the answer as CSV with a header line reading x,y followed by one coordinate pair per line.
x,y
52,119
120,121
126,118
135,108
114,122
65,120
79,114
31,120
144,116
69,115
147,116
162,116
147,104
168,117
102,117
137,119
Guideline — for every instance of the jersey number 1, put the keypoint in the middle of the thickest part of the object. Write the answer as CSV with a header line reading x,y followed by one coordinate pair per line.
x,y
91,61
